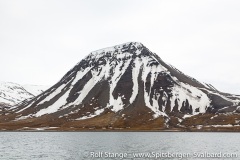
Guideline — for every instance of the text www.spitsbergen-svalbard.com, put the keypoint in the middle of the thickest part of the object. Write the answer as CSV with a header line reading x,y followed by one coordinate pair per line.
x,y
160,155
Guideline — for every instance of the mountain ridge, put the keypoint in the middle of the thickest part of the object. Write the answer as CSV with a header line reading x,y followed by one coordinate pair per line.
x,y
13,93
124,85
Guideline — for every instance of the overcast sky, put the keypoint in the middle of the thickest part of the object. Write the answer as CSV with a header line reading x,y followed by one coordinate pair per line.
x,y
40,40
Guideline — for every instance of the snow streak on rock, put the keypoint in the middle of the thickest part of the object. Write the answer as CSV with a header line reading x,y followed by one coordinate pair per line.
x,y
117,104
135,74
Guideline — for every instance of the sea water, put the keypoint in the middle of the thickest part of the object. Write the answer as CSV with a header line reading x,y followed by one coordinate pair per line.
x,y
119,145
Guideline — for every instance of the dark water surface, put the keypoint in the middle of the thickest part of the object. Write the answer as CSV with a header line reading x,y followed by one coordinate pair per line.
x,y
118,145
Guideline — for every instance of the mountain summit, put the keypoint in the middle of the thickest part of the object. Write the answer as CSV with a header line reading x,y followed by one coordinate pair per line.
x,y
121,87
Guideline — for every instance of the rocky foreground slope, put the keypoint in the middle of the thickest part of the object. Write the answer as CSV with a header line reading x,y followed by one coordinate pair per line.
x,y
126,87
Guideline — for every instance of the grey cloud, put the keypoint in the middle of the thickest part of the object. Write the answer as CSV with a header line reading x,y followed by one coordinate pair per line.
x,y
41,40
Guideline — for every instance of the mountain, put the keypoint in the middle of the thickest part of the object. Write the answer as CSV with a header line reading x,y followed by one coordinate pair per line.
x,y
12,94
126,87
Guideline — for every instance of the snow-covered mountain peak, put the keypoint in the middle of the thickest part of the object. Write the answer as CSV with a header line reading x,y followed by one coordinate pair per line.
x,y
119,52
129,73
120,48
110,58
13,93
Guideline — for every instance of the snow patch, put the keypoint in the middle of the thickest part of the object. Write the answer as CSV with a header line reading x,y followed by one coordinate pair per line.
x,y
96,113
195,97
